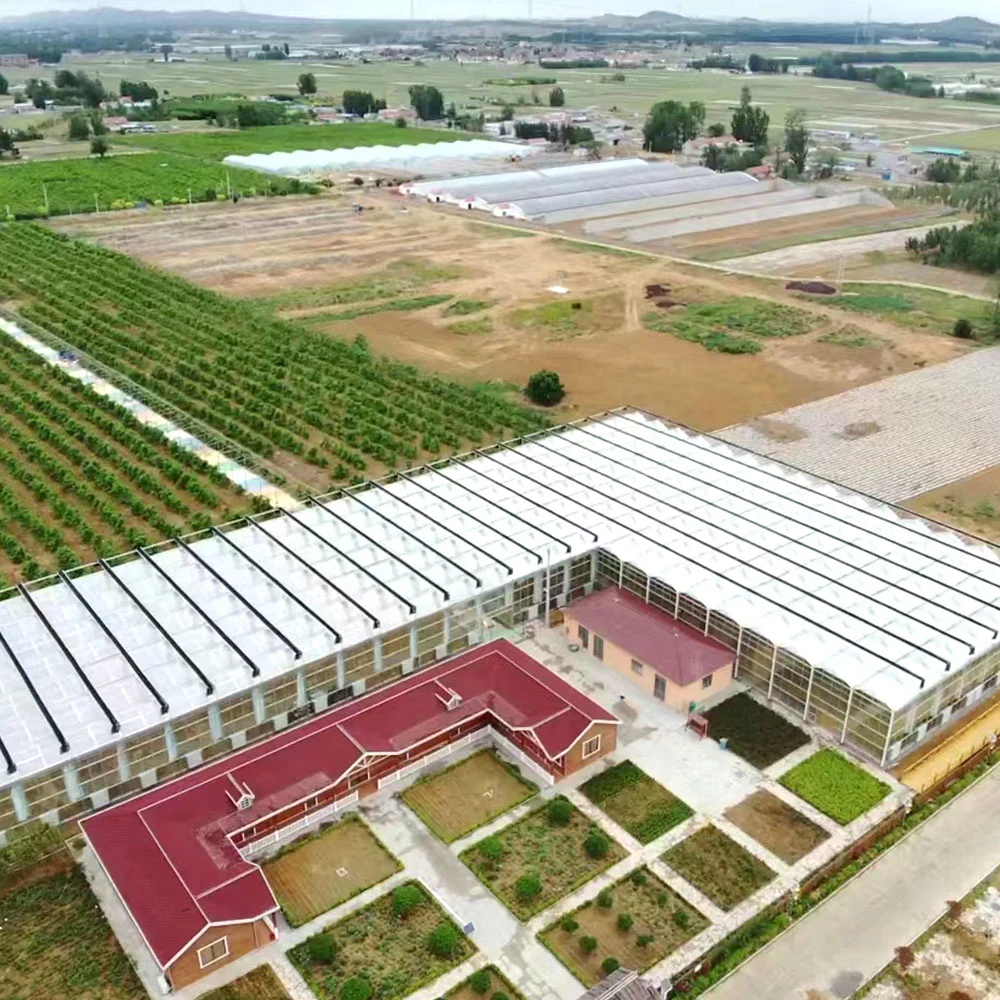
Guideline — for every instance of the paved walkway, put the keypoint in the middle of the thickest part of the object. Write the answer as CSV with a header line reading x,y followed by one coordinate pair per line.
x,y
853,935
887,438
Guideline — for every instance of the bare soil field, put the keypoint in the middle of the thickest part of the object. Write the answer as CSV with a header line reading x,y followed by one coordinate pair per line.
x,y
320,873
260,984
289,251
463,797
784,831
972,504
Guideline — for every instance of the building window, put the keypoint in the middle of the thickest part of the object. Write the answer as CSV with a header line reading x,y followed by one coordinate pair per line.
x,y
592,746
583,635
213,952
636,667
990,682
706,681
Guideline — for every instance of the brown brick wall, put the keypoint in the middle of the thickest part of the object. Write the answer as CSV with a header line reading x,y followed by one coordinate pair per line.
x,y
243,938
609,739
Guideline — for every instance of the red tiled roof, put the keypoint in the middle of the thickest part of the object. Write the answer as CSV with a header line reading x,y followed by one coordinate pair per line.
x,y
168,851
673,649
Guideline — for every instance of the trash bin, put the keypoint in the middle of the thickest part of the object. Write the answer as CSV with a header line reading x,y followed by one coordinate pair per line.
x,y
724,743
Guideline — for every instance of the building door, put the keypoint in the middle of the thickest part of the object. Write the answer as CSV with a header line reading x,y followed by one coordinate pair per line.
x,y
598,647
660,688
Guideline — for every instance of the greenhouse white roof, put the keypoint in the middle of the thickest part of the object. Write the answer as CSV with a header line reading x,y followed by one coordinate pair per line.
x,y
886,601
410,157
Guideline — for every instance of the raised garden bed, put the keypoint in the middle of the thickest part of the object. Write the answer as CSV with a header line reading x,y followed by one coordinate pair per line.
x,y
774,824
754,732
534,862
388,949
320,872
635,801
636,922
454,802
836,787
718,867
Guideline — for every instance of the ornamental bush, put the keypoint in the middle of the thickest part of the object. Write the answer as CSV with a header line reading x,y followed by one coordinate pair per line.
x,y
527,888
491,848
545,388
682,918
569,925
480,981
405,899
605,899
445,940
588,943
322,949
559,811
610,965
625,922
643,940
597,844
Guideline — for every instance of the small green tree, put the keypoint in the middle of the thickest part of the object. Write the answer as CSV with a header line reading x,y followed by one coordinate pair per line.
x,y
492,849
356,988
644,940
670,124
605,900
638,877
405,899
99,146
545,388
597,844
797,138
588,944
569,925
6,142
962,329
480,981
322,949
4,86
750,122
716,129
682,918
79,128
307,83
97,124
557,97
559,811
400,122
625,922
527,888
427,102
610,965
445,940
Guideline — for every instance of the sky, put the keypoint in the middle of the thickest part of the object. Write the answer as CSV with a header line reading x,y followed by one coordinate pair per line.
x,y
812,10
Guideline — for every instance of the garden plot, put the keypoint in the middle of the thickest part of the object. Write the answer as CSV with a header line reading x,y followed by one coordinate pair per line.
x,y
637,803
260,984
775,825
57,945
488,981
467,795
755,733
718,867
534,862
323,871
635,924
386,950
836,787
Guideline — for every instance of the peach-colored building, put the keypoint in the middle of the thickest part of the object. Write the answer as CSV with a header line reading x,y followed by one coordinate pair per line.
x,y
671,660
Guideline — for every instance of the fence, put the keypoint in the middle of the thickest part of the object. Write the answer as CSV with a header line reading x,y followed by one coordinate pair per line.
x,y
436,755
293,829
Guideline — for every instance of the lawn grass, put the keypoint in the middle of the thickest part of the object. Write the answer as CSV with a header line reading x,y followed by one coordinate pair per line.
x,y
849,336
635,801
498,987
718,867
836,787
56,945
260,984
561,316
536,848
755,733
660,922
322,871
392,954
472,327
467,795
732,325
917,308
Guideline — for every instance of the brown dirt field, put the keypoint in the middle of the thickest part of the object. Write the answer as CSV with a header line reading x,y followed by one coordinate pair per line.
x,y
467,795
261,984
305,879
266,248
971,504
774,824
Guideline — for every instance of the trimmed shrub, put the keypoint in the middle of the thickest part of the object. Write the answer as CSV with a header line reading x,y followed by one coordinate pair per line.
x,y
588,943
480,981
962,329
527,887
491,848
569,925
322,948
682,918
643,940
625,922
662,898
610,965
499,996
356,989
445,940
405,899
605,899
597,844
559,811
638,877
545,388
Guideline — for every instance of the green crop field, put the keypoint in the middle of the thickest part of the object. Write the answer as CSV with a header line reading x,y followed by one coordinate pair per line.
x,y
320,404
61,187
218,143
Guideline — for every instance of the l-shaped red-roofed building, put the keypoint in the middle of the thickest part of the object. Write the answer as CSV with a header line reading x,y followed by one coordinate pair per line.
x,y
179,855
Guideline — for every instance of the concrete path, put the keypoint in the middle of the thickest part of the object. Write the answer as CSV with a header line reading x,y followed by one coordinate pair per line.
x,y
842,943
888,438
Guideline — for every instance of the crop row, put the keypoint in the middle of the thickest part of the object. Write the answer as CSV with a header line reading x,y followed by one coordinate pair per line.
x,y
82,478
277,388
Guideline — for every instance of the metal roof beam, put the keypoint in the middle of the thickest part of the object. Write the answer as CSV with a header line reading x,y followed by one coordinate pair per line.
x,y
8,760
312,569
146,682
231,643
411,607
74,663
409,534
259,615
209,686
292,597
32,690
